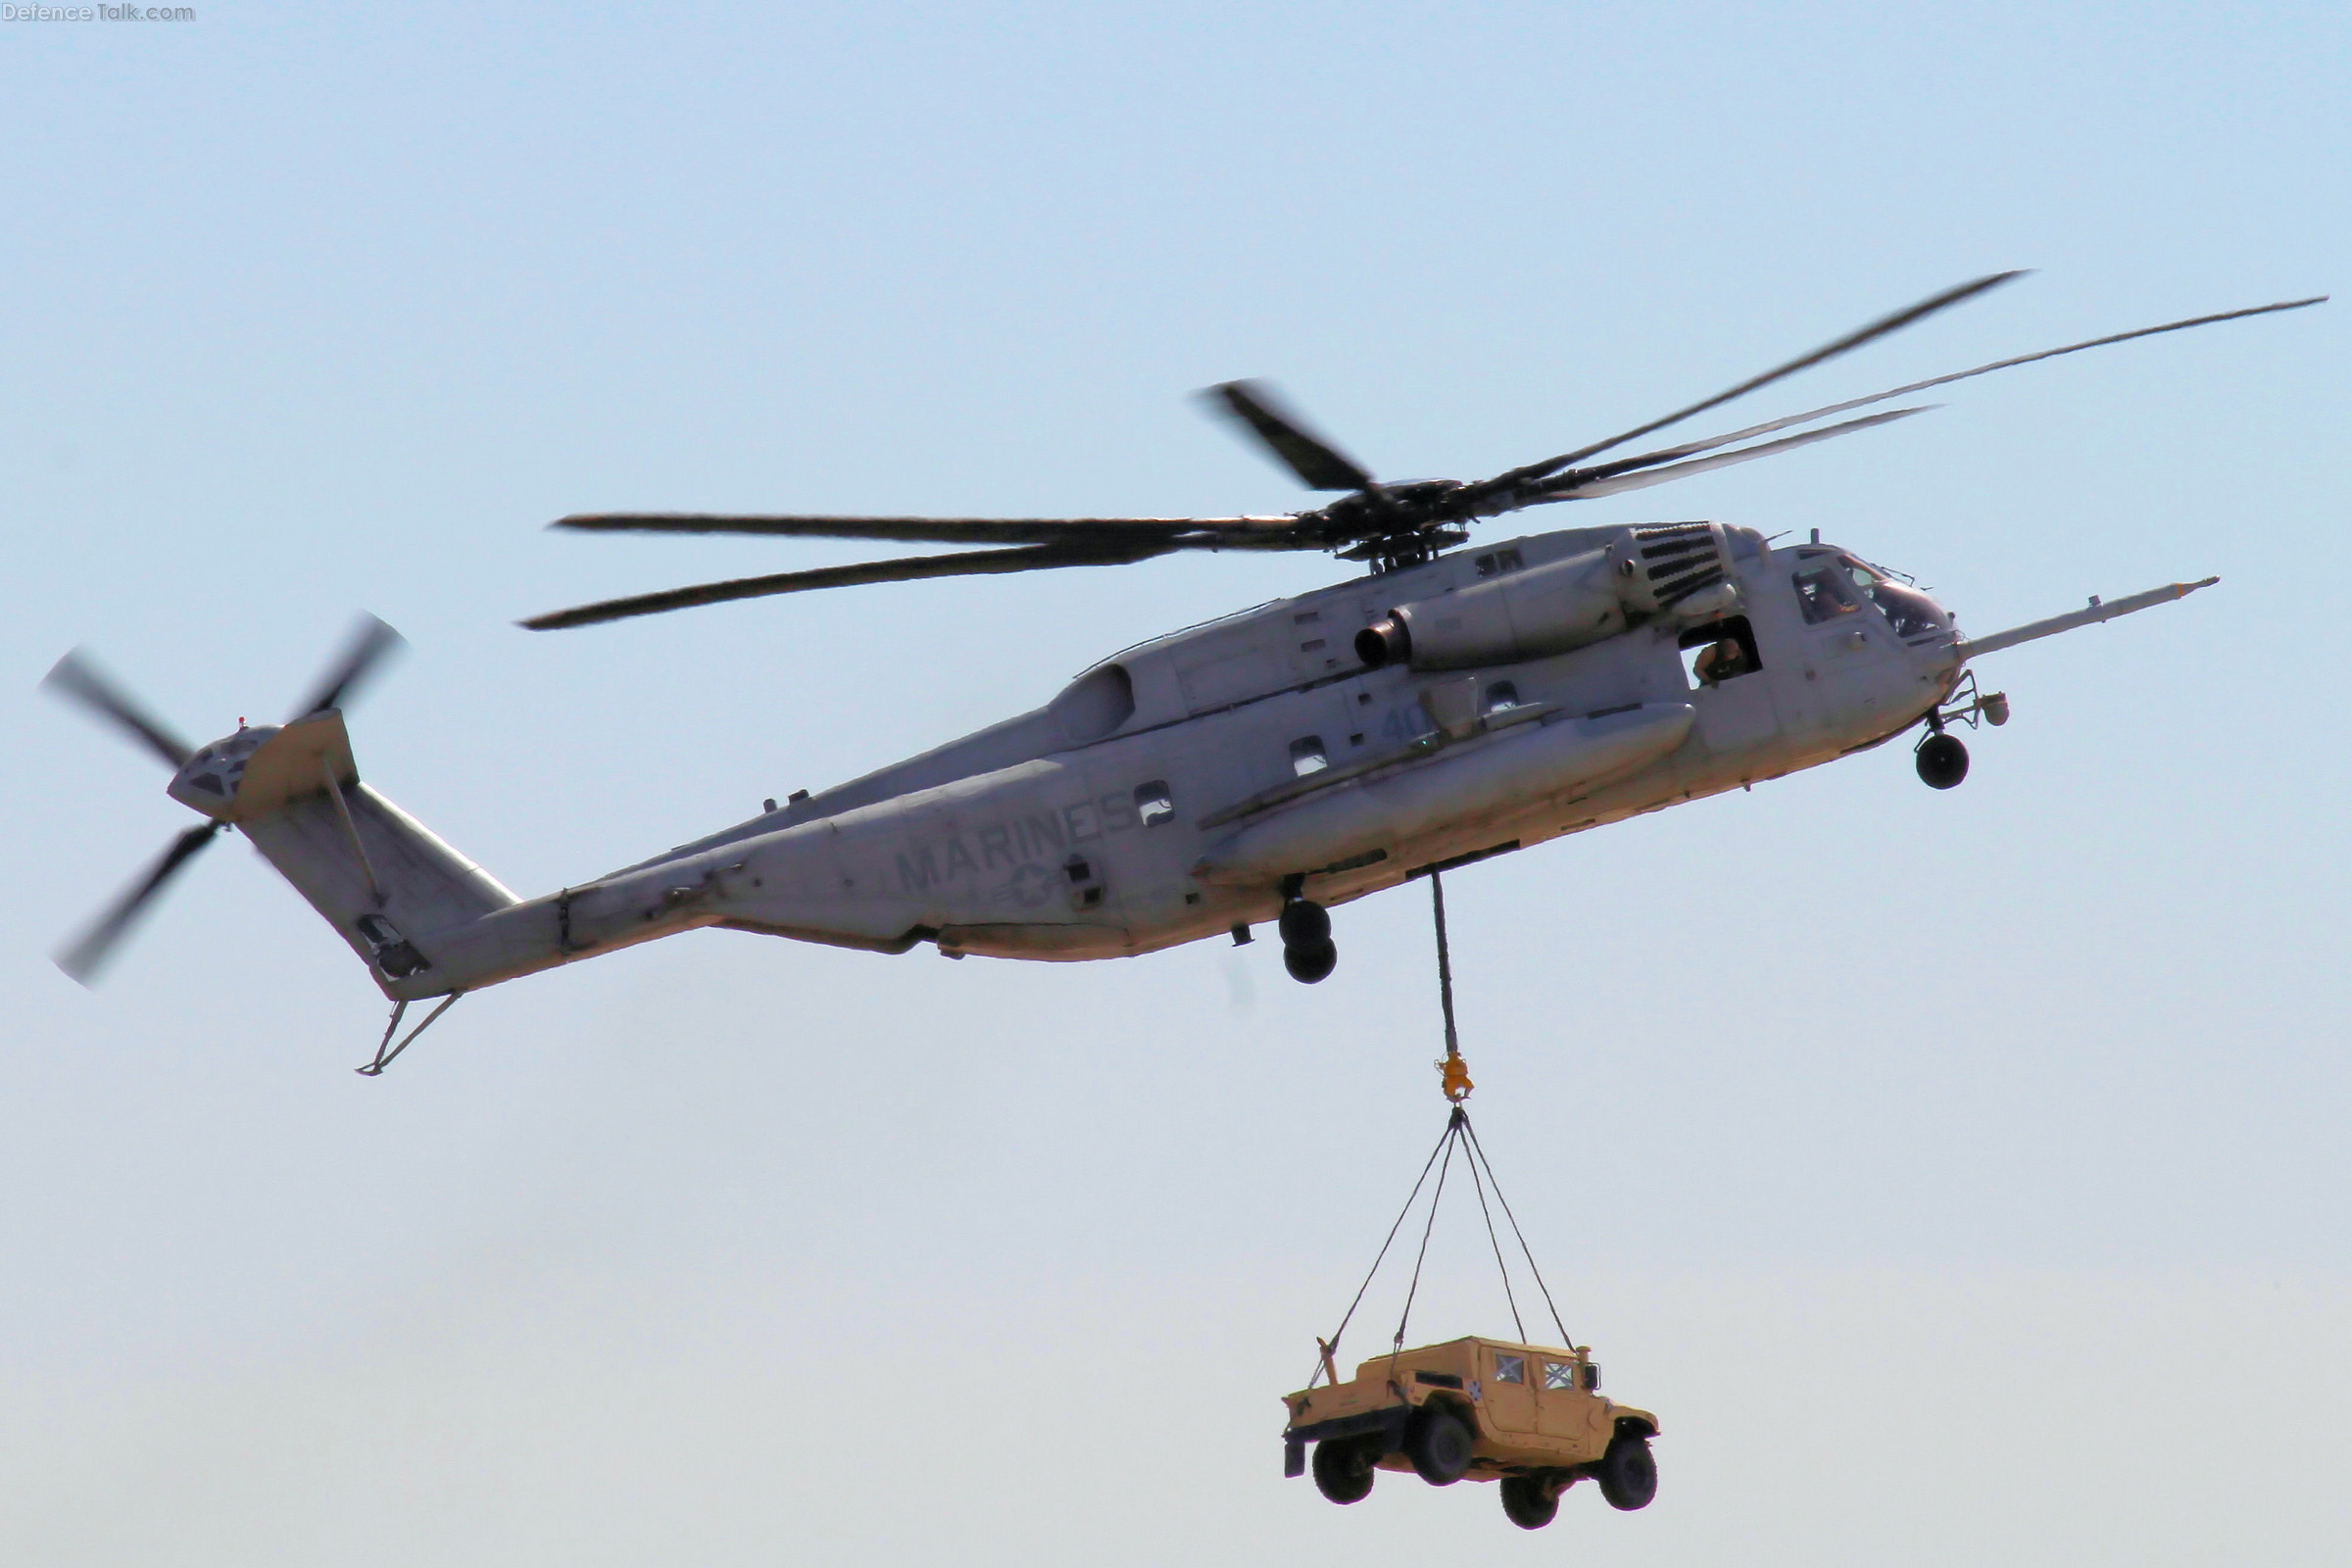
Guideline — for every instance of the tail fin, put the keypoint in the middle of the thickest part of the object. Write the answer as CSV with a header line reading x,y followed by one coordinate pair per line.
x,y
381,878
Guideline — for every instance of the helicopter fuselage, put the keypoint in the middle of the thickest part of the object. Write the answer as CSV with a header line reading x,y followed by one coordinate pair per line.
x,y
1191,784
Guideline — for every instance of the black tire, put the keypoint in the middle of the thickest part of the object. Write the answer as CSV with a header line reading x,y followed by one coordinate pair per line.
x,y
1311,963
1343,1469
1440,1445
1303,923
1529,1501
1943,762
1627,1473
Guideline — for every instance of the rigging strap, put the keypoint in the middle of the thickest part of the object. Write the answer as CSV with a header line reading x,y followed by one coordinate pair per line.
x,y
1330,1347
1477,1152
1495,1243
1453,1128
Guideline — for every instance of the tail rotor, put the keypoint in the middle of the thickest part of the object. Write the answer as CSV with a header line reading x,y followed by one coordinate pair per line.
x,y
89,953
77,680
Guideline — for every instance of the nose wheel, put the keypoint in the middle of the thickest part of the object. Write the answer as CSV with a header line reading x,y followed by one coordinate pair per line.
x,y
1942,759
1307,950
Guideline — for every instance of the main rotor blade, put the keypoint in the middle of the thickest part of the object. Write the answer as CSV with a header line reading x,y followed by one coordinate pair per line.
x,y
1828,351
1318,463
371,641
76,678
88,956
1615,481
974,562
1770,425
942,531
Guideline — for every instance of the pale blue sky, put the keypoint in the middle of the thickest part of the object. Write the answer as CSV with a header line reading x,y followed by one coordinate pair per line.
x,y
1961,1176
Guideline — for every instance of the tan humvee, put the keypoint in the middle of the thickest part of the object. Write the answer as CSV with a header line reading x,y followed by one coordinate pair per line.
x,y
1528,1415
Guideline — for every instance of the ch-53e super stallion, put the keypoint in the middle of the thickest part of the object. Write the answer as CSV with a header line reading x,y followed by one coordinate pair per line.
x,y
1446,706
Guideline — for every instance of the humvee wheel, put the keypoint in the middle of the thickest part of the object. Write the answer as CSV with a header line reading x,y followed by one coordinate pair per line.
x,y
1344,1470
1529,1501
1438,1444
1627,1473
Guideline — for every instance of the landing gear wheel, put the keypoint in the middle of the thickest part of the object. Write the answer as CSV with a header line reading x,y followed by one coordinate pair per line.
x,y
1943,760
1438,1444
1529,1501
1311,964
1627,1473
1303,923
1343,1469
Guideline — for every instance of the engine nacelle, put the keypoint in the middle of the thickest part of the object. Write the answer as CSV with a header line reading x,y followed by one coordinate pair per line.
x,y
1559,605
1521,615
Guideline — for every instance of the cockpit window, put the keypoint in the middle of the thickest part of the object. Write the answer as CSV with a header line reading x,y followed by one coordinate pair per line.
x,y
1909,611
1822,595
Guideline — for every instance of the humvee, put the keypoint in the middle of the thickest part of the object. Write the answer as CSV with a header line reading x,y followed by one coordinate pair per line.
x,y
1530,1416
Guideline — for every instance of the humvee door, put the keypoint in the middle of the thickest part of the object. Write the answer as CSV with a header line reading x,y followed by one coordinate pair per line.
x,y
1507,1389
1562,1408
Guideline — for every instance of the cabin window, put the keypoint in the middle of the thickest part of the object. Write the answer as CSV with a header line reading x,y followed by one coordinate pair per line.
x,y
1720,651
1559,1374
1511,1368
1154,804
1307,755
1822,595
1501,696
1497,563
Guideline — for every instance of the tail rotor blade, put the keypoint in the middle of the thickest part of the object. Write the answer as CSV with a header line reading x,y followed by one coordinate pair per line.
x,y
75,679
1318,463
88,956
371,641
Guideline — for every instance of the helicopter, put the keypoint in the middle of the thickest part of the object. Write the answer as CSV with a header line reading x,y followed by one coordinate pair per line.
x,y
1446,706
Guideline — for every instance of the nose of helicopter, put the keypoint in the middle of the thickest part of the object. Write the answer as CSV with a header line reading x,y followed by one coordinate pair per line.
x,y
1916,617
